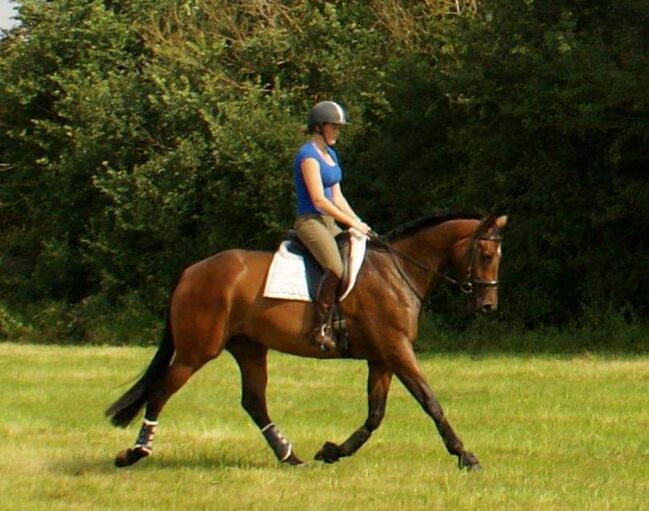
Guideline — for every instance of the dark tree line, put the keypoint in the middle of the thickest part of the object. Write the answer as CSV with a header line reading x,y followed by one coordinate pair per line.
x,y
139,136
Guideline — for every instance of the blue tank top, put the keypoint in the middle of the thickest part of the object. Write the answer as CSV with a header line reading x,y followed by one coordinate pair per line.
x,y
331,174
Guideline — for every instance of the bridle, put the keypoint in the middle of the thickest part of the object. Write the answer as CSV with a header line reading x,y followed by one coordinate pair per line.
x,y
467,284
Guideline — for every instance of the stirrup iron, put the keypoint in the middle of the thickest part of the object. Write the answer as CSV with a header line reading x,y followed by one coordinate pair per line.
x,y
324,336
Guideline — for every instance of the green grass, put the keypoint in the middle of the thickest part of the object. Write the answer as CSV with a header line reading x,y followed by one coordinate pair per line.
x,y
551,433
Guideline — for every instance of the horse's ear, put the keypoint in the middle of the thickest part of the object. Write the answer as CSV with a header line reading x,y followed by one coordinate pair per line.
x,y
501,221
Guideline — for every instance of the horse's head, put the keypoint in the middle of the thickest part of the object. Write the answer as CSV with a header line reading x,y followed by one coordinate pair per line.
x,y
478,262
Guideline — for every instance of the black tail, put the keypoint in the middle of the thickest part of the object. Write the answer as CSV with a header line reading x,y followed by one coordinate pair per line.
x,y
124,410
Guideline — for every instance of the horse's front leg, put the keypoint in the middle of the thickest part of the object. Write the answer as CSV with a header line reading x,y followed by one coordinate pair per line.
x,y
378,385
407,370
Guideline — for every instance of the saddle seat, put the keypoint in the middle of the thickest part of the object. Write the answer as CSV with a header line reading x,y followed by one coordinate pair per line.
x,y
314,270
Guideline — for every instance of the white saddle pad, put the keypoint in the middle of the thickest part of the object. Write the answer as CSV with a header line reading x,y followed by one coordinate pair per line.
x,y
286,277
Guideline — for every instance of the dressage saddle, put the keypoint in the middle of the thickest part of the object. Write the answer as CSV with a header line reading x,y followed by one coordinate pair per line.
x,y
314,273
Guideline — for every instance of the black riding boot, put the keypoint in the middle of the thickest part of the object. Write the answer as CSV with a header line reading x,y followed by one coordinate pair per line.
x,y
325,297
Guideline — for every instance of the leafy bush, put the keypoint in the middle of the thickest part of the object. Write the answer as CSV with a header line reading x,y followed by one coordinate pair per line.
x,y
138,137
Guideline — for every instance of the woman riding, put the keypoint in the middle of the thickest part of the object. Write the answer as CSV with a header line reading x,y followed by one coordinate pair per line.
x,y
320,204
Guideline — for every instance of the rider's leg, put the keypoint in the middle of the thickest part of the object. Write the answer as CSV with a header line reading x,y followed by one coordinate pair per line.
x,y
317,233
324,301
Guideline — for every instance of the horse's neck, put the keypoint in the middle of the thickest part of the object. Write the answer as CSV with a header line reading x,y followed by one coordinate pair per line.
x,y
433,246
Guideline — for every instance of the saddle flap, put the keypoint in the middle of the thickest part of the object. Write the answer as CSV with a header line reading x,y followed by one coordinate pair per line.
x,y
294,274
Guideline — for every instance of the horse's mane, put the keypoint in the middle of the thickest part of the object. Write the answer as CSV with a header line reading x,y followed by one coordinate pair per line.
x,y
428,221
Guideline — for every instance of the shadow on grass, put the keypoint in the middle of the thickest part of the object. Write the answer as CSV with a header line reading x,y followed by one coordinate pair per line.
x,y
103,465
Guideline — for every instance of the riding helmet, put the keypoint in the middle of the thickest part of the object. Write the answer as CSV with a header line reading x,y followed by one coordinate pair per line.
x,y
326,112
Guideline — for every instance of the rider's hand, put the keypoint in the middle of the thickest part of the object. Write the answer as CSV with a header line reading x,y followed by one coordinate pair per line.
x,y
361,226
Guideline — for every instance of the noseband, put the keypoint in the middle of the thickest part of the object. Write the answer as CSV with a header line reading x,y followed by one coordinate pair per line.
x,y
467,284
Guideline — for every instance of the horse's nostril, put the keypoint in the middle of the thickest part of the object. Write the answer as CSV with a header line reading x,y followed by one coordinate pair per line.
x,y
488,307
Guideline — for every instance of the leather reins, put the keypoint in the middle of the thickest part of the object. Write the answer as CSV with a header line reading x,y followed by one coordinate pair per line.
x,y
466,285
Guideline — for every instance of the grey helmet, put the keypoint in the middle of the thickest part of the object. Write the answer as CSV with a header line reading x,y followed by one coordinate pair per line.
x,y
326,112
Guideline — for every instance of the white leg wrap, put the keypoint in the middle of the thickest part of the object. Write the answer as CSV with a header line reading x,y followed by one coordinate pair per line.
x,y
288,453
145,438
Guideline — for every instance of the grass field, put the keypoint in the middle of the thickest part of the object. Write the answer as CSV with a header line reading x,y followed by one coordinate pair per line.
x,y
551,433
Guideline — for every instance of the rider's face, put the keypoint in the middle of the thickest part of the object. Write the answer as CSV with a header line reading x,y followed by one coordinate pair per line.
x,y
330,132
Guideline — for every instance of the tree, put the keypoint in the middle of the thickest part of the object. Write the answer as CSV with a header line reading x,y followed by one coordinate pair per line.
x,y
140,136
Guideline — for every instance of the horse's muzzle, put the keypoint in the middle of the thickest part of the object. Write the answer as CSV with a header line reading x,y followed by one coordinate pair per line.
x,y
486,301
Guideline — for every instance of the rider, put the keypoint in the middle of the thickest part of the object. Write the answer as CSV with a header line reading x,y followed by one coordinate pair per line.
x,y
320,204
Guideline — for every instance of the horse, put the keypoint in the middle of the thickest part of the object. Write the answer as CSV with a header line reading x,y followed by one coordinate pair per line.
x,y
218,304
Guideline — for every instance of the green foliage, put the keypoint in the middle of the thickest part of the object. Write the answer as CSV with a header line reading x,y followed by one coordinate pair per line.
x,y
59,120
138,137
95,320
11,327
596,332
523,110
552,110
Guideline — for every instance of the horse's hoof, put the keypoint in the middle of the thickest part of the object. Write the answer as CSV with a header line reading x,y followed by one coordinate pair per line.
x,y
128,457
294,461
469,461
330,453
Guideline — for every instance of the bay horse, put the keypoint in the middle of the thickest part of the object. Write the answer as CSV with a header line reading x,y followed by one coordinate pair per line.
x,y
218,304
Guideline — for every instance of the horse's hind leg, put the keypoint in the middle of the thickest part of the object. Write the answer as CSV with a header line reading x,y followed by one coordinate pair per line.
x,y
175,377
407,370
378,385
251,358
